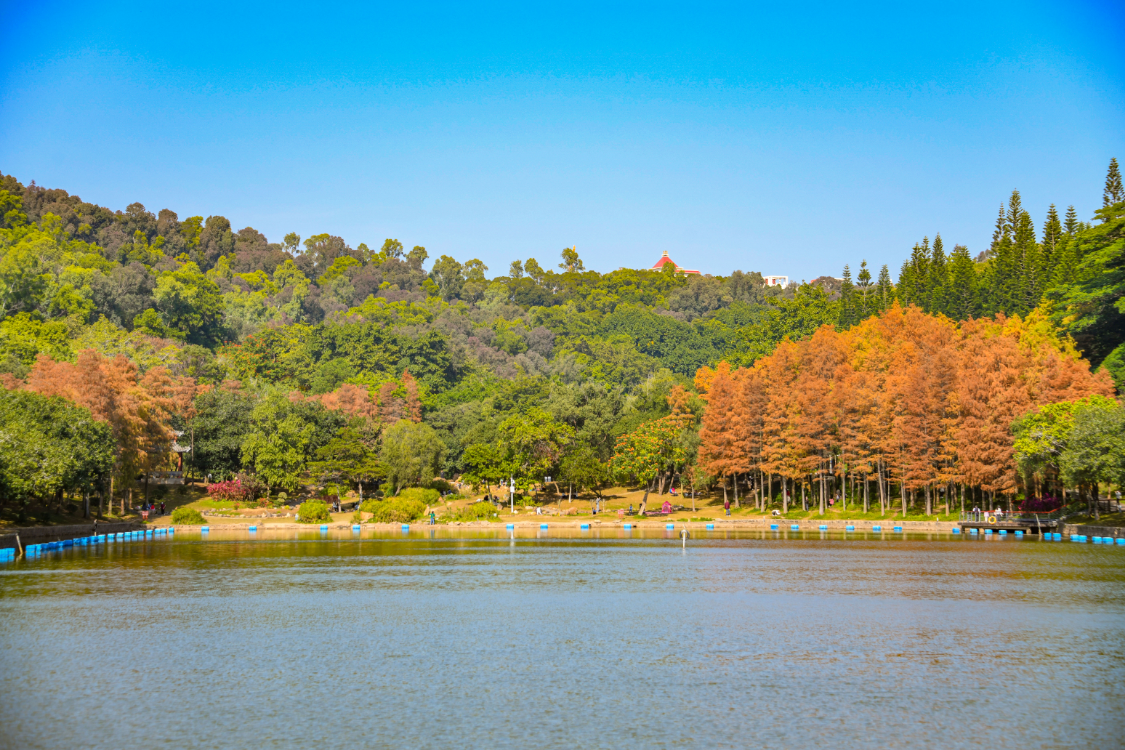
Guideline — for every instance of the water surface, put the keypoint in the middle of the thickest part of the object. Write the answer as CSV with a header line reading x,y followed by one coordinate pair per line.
x,y
597,639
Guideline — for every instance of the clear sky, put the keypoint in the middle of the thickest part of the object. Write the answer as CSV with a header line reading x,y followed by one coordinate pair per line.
x,y
788,138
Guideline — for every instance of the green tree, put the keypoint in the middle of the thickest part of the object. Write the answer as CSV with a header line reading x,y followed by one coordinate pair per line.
x,y
1095,452
938,279
533,443
48,447
412,454
284,436
571,263
446,273
848,314
863,291
583,469
217,430
487,464
347,459
191,305
884,290
962,293
1113,192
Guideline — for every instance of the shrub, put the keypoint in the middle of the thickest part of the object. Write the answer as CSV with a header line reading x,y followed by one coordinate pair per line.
x,y
395,510
473,512
1041,504
237,490
419,494
313,511
187,517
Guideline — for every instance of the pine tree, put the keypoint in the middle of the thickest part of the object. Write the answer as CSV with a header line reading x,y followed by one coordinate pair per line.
x,y
1113,192
1003,269
1053,238
963,290
884,290
939,278
997,234
863,284
1071,225
847,315
1026,288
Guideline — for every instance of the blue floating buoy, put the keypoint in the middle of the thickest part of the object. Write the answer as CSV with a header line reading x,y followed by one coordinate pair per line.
x,y
542,527
356,527
253,528
823,527
898,529
584,526
669,526
988,531
974,531
794,527
406,527
171,529
1019,533
324,527
773,527
876,528
627,526
1003,532
1121,541
849,527
1056,536
710,527
955,530
510,526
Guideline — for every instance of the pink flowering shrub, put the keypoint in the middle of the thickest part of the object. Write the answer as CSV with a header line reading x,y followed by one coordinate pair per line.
x,y
238,490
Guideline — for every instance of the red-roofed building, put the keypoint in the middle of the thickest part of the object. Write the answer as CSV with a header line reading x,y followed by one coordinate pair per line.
x,y
665,260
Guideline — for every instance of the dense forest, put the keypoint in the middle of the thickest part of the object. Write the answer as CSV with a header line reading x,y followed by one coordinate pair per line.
x,y
314,364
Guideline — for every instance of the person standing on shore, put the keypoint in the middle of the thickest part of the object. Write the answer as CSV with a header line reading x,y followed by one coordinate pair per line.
x,y
726,505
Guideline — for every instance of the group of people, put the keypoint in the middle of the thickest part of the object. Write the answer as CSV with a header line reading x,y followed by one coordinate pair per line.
x,y
979,514
154,508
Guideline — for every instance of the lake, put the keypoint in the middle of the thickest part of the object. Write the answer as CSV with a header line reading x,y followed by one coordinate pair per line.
x,y
467,638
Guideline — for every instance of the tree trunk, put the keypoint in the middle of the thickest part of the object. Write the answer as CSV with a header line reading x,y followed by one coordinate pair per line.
x,y
823,491
929,501
804,497
784,497
1094,493
736,491
866,494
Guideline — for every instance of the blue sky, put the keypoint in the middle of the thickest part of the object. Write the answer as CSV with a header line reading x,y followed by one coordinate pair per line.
x,y
788,139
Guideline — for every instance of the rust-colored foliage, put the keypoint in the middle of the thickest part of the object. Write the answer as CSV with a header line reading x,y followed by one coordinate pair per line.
x,y
906,397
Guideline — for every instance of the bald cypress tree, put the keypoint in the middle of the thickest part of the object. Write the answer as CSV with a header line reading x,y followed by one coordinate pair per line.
x,y
1113,192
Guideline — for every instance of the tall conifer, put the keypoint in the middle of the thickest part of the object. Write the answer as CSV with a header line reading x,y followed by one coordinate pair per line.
x,y
1025,286
863,284
884,290
1049,248
1071,225
847,316
962,292
1113,192
939,278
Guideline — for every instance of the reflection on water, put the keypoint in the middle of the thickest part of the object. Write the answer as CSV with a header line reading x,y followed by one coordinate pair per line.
x,y
603,638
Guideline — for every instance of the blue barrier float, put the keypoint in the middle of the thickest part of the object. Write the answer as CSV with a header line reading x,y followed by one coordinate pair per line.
x,y
955,530
823,527
794,527
542,527
628,527
1003,532
1121,541
406,527
988,531
356,527
510,526
773,527
205,529
876,528
710,527
584,526
1019,533
669,526
898,529
253,528
849,527
324,527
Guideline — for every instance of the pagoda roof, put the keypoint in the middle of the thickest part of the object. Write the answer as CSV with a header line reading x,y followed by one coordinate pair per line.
x,y
665,260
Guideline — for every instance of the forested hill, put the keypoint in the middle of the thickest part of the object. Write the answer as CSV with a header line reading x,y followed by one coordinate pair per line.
x,y
600,352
